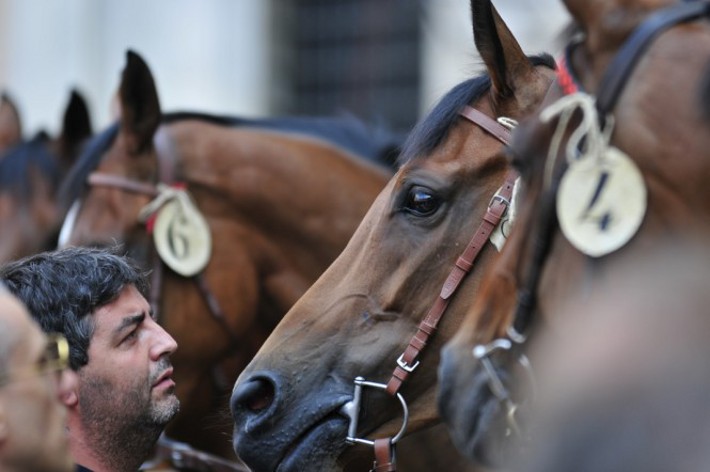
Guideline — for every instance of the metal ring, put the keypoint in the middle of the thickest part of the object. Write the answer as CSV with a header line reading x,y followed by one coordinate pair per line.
x,y
352,411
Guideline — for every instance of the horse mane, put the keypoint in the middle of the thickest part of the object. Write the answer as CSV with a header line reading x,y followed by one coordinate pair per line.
x,y
74,184
18,162
429,133
377,145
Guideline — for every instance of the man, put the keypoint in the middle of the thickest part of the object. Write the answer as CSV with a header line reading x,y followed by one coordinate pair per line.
x,y
32,437
125,394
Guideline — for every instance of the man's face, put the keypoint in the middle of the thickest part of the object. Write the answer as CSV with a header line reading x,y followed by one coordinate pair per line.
x,y
127,384
34,416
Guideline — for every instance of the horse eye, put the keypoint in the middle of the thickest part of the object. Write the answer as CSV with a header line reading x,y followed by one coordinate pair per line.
x,y
421,202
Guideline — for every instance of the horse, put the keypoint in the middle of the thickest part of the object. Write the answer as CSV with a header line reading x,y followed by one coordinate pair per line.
x,y
596,399
236,218
639,130
10,123
31,173
316,383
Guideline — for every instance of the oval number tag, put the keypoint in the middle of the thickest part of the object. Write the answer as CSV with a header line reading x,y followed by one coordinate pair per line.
x,y
601,202
182,237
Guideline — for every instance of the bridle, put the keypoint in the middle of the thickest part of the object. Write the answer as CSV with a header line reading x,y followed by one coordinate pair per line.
x,y
407,362
611,86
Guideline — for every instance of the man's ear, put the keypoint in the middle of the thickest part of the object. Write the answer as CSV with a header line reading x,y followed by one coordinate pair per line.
x,y
69,394
70,399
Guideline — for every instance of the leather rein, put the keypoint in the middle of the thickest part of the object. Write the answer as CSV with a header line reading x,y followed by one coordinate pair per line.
x,y
407,362
610,89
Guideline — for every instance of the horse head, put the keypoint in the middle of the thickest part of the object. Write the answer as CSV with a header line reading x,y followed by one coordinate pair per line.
x,y
31,172
10,123
613,161
236,218
322,375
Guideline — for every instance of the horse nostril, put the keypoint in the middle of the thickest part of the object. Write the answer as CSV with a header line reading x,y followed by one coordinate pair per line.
x,y
255,395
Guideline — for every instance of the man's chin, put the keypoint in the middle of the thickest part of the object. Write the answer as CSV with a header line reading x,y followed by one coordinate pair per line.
x,y
165,409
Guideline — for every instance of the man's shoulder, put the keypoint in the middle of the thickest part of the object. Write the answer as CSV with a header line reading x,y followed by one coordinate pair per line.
x,y
81,468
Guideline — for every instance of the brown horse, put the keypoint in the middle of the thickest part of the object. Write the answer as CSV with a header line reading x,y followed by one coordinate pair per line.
x,y
10,123
280,199
30,176
598,395
644,61
296,403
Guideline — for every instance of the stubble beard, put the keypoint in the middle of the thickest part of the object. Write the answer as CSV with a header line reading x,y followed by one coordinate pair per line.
x,y
124,428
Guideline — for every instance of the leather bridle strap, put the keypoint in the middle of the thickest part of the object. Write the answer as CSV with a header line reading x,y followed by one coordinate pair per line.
x,y
384,456
100,179
527,294
407,362
493,127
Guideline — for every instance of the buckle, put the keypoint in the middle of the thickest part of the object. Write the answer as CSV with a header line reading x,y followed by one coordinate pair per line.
x,y
497,196
404,365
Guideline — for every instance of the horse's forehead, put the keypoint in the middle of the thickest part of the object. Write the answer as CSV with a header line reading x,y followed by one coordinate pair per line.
x,y
443,165
118,159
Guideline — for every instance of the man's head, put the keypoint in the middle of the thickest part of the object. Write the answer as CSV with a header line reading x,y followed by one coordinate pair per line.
x,y
32,381
125,394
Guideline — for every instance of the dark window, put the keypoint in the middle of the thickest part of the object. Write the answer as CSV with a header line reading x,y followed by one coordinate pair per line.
x,y
356,56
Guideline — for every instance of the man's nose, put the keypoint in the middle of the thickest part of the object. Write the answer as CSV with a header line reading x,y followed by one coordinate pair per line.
x,y
164,344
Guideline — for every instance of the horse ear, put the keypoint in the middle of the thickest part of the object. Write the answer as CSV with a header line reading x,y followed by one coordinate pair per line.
x,y
76,125
138,104
505,60
10,125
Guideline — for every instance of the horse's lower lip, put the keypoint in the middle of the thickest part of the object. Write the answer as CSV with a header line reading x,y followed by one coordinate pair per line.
x,y
313,440
463,397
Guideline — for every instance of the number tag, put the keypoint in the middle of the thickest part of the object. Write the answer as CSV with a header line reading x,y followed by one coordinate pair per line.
x,y
182,236
601,202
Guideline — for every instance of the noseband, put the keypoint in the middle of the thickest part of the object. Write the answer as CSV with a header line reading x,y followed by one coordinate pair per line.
x,y
611,86
408,361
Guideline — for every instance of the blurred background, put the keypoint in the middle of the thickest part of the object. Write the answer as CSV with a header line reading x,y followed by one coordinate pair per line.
x,y
385,61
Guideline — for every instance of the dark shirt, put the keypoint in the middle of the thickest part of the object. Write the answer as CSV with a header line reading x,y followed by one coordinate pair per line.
x,y
81,468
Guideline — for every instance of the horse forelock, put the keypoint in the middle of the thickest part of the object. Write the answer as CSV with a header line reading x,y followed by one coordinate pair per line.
x,y
19,161
74,185
434,128
429,133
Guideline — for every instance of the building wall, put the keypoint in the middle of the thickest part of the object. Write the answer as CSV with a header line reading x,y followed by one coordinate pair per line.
x,y
208,55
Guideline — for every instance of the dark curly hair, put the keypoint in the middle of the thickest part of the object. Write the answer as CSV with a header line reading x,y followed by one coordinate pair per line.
x,y
62,289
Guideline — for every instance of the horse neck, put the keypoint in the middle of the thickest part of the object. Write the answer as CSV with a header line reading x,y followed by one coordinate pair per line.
x,y
287,186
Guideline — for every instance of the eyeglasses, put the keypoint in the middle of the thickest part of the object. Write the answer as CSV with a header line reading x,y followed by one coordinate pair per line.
x,y
54,358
